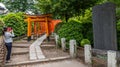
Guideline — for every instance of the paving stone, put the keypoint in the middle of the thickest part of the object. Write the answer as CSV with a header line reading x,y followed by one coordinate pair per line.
x,y
35,51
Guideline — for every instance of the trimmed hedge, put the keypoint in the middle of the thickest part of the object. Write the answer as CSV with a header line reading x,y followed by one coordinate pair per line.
x,y
84,41
75,30
70,30
16,21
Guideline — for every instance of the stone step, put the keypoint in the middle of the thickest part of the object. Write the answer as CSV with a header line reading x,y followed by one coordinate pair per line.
x,y
37,61
51,42
19,58
21,45
52,36
18,51
48,45
51,39
23,42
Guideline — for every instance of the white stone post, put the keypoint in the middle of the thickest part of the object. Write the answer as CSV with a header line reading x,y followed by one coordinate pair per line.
x,y
56,39
112,58
88,54
63,42
73,48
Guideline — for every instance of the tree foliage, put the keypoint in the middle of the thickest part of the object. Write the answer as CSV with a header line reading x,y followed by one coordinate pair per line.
x,y
117,2
19,5
65,8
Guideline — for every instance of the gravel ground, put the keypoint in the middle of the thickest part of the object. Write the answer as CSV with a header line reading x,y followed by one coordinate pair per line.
x,y
52,52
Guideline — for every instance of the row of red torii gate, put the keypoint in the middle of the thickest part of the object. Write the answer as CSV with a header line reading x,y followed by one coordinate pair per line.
x,y
40,24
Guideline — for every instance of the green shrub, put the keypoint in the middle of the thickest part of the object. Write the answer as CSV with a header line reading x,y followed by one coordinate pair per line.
x,y
87,31
78,28
58,26
71,30
16,21
84,41
86,21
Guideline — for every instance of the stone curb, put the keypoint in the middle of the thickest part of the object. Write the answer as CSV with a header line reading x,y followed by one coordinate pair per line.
x,y
39,61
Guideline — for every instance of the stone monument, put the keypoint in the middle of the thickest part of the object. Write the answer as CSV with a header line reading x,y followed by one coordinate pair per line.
x,y
104,26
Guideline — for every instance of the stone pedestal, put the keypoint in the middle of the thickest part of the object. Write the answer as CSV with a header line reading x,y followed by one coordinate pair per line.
x,y
88,54
112,59
73,48
56,39
63,43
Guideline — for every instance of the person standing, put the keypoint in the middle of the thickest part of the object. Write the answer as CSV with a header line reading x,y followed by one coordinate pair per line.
x,y
8,35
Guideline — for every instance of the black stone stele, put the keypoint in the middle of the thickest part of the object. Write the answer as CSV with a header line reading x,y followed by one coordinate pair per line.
x,y
104,27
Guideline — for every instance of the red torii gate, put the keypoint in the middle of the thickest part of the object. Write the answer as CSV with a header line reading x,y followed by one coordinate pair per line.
x,y
41,24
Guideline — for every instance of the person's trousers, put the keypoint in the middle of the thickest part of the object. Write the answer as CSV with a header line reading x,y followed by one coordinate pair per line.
x,y
9,48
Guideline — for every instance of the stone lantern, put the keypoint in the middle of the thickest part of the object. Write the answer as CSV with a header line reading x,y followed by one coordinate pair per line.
x,y
3,9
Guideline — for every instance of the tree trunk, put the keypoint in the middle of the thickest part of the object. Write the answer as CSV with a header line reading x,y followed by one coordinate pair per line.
x,y
66,17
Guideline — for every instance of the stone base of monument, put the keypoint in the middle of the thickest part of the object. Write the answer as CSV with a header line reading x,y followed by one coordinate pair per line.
x,y
99,57
105,57
96,52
